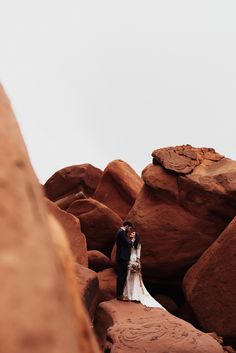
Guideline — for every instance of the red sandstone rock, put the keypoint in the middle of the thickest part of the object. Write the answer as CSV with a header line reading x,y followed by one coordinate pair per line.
x,y
210,285
97,261
98,222
130,327
118,187
179,216
107,284
71,180
71,225
89,288
39,303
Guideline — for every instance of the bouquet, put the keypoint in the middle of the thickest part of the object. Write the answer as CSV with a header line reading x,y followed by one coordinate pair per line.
x,y
134,267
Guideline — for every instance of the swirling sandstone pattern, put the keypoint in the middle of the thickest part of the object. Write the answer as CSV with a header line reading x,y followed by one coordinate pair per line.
x,y
130,327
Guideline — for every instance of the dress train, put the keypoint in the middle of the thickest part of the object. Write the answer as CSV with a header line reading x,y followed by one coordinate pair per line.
x,y
134,288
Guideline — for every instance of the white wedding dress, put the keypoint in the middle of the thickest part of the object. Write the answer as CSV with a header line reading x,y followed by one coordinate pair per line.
x,y
134,288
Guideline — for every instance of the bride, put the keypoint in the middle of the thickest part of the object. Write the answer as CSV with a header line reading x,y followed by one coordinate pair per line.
x,y
134,289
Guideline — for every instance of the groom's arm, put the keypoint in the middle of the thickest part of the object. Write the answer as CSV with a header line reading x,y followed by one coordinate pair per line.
x,y
124,239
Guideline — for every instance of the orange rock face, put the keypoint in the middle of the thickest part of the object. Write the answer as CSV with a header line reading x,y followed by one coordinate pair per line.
x,y
179,215
40,310
210,286
98,222
71,225
72,180
118,187
130,327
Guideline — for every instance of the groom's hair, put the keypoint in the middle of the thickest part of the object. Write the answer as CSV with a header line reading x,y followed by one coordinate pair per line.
x,y
127,223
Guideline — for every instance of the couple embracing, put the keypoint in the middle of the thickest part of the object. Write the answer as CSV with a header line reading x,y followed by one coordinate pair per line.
x,y
129,285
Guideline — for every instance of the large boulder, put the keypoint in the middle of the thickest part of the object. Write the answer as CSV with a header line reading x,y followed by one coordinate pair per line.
x,y
210,286
67,200
188,198
97,261
130,327
98,222
72,180
118,187
71,225
107,284
39,303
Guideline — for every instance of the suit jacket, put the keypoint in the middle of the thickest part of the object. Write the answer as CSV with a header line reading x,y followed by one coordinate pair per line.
x,y
123,245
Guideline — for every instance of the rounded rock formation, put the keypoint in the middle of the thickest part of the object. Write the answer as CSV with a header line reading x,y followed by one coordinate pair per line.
x,y
107,284
98,222
97,261
210,286
180,215
71,180
71,225
118,187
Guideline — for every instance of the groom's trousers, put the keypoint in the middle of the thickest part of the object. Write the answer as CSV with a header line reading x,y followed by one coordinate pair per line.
x,y
122,271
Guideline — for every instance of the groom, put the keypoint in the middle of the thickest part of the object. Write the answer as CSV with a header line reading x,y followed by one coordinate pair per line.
x,y
123,248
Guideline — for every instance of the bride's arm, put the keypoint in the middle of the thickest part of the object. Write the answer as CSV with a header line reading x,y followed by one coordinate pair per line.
x,y
139,251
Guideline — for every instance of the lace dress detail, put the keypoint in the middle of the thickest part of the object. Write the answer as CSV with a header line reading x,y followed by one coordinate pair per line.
x,y
134,288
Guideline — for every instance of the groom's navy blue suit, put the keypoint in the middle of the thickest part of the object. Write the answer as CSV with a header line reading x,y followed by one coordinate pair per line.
x,y
123,248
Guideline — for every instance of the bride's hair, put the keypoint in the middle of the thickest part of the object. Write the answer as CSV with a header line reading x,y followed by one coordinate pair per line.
x,y
137,238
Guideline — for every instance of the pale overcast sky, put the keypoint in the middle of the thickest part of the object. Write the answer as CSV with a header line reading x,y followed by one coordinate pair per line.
x,y
93,81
